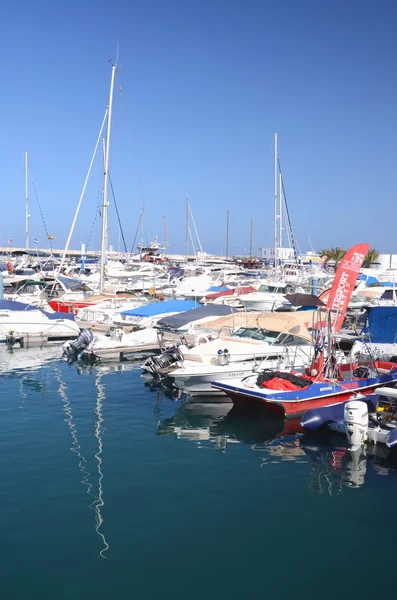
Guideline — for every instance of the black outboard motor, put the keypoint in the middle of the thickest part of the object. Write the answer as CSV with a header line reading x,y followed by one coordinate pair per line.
x,y
162,363
72,349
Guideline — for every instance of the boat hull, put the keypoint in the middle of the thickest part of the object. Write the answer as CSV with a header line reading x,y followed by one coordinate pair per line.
x,y
296,403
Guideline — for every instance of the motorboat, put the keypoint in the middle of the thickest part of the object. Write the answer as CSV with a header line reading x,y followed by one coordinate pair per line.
x,y
246,342
142,338
29,325
104,313
269,297
291,394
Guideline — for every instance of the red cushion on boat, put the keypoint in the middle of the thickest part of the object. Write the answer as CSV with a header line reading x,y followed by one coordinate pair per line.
x,y
281,385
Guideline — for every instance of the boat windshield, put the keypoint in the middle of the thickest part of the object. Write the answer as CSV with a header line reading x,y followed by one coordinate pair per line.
x,y
263,335
271,289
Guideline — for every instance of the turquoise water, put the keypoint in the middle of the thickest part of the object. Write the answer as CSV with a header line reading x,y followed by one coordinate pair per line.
x,y
110,489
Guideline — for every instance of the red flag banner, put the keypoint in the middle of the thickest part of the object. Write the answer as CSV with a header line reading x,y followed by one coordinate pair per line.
x,y
324,296
343,286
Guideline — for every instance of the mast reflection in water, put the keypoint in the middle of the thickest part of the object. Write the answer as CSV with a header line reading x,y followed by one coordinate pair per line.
x,y
97,502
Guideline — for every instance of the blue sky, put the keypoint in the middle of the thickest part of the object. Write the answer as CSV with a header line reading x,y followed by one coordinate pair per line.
x,y
205,86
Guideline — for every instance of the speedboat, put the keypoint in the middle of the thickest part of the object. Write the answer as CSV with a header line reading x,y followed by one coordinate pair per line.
x,y
274,340
291,394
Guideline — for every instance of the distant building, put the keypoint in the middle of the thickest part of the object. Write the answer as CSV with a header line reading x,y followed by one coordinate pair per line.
x,y
282,253
386,261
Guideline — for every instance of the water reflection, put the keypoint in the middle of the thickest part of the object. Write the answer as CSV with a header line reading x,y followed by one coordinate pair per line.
x,y
26,359
223,423
97,503
333,467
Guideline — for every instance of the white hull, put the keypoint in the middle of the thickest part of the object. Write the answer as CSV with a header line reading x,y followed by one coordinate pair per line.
x,y
35,324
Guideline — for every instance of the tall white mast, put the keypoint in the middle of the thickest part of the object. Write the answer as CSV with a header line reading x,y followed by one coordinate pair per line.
x,y
280,216
104,237
26,203
275,198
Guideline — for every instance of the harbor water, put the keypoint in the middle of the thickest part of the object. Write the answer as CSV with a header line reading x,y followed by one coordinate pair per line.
x,y
113,489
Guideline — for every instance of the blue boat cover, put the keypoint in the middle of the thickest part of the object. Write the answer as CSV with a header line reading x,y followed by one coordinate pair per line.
x,y
218,288
369,280
11,305
382,324
209,310
17,306
161,308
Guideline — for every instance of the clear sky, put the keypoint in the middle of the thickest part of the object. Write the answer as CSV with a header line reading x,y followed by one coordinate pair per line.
x,y
205,84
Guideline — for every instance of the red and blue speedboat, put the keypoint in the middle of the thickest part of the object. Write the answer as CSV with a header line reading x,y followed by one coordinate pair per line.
x,y
291,394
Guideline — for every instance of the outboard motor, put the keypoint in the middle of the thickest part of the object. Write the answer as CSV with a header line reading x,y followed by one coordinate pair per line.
x,y
165,361
355,420
83,340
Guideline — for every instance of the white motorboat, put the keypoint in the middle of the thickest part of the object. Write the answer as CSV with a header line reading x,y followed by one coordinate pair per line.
x,y
154,331
32,325
269,297
273,341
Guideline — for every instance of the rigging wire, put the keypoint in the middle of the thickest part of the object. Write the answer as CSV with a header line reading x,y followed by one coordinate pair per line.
x,y
117,213
137,231
41,211
130,139
288,215
97,212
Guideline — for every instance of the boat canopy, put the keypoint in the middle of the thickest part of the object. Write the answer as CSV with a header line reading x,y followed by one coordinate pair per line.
x,y
304,300
16,306
21,306
294,323
73,284
161,308
382,324
369,280
202,312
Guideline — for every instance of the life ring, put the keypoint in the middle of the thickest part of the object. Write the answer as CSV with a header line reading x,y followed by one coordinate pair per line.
x,y
10,267
202,340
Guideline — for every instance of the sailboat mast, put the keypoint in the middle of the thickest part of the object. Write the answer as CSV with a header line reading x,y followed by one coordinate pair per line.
x,y
187,227
104,236
280,226
275,198
227,233
251,238
165,234
26,203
